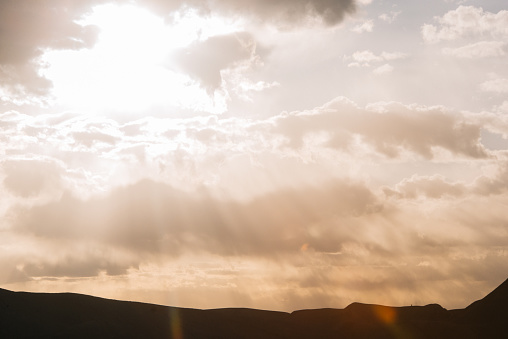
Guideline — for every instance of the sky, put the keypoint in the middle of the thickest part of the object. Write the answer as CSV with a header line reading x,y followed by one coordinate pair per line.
x,y
269,154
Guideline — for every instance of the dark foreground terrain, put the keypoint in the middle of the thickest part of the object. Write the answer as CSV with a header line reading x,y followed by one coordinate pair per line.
x,y
68,315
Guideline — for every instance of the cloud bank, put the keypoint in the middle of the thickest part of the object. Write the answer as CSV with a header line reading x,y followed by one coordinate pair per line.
x,y
78,211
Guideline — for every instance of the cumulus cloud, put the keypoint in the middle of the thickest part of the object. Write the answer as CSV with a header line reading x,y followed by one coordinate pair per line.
x,y
21,84
94,154
386,68
205,60
503,107
331,12
365,57
389,17
390,132
367,26
88,156
466,21
438,187
433,187
279,12
493,184
27,28
499,85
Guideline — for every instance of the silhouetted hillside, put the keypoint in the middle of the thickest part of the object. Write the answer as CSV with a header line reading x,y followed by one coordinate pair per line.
x,y
68,315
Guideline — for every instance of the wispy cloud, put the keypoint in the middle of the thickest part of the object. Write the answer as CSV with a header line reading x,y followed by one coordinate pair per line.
x,y
482,49
367,26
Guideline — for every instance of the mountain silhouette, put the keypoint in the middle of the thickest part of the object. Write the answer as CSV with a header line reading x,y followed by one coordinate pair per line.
x,y
69,315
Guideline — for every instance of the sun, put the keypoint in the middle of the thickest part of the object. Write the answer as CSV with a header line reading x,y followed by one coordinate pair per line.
x,y
129,68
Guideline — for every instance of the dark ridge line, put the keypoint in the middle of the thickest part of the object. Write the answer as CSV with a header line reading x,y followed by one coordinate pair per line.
x,y
74,315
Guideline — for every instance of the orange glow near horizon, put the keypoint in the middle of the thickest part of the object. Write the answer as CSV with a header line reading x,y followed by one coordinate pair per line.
x,y
387,315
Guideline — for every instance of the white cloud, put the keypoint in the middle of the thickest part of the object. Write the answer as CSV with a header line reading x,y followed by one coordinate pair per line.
x,y
389,17
367,26
434,187
503,108
482,49
29,177
495,86
366,58
390,129
393,55
386,68
156,200
466,21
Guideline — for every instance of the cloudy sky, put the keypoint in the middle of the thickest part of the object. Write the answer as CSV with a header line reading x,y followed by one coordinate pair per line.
x,y
274,154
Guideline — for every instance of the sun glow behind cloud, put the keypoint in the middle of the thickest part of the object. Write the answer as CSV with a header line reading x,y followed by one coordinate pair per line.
x,y
130,68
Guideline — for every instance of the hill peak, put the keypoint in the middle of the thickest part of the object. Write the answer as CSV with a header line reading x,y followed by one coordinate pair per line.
x,y
492,307
501,292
